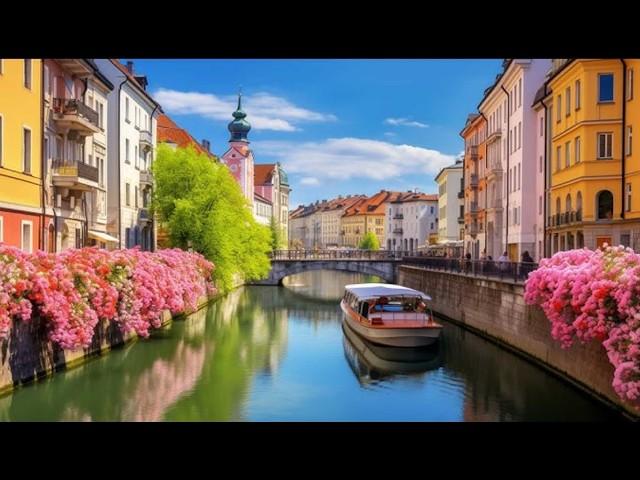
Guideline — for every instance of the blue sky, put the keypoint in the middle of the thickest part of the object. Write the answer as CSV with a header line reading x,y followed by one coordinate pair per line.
x,y
337,126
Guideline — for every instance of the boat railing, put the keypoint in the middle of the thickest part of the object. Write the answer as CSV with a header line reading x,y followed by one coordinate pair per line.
x,y
399,319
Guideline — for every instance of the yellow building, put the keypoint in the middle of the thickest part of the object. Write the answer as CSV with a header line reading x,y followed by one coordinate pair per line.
x,y
593,169
366,215
21,153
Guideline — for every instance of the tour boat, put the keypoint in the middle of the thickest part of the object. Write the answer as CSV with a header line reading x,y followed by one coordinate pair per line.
x,y
390,315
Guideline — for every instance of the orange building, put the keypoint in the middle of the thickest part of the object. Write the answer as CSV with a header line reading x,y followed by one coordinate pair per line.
x,y
475,185
366,215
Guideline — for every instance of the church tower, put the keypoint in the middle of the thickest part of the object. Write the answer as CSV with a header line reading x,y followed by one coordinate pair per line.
x,y
239,157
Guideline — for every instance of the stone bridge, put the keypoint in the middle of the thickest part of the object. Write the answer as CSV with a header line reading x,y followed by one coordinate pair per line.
x,y
289,262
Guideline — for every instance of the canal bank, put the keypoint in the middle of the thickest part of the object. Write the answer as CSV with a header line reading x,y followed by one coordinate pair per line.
x,y
496,310
28,356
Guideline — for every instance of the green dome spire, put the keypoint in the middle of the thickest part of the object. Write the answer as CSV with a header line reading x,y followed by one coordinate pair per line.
x,y
239,127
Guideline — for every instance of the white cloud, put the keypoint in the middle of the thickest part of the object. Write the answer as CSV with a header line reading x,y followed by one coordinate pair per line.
x,y
346,158
309,181
390,134
264,111
405,122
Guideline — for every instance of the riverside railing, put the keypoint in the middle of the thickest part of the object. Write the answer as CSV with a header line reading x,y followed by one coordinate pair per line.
x,y
339,254
515,271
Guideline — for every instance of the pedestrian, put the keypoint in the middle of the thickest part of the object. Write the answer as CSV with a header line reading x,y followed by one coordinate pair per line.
x,y
527,264
503,262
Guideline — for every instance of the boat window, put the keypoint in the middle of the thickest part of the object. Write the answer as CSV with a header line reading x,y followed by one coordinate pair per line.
x,y
365,309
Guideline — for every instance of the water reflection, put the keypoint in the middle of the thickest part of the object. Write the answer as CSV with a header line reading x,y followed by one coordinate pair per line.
x,y
373,363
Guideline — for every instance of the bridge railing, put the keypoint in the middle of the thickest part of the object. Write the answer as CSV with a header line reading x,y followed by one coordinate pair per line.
x,y
515,271
334,254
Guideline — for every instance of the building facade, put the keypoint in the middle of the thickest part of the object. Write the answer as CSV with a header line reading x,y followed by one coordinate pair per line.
x,y
262,209
21,203
239,157
132,138
475,185
75,109
411,218
450,211
271,182
366,215
594,169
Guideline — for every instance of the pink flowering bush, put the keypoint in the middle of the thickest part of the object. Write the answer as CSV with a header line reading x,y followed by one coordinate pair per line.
x,y
75,289
589,295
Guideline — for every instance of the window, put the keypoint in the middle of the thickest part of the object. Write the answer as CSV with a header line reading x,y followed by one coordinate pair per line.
x,y
625,239
567,99
628,205
26,150
630,84
519,134
605,87
577,94
559,107
27,73
520,92
518,176
541,125
605,141
26,240
101,115
431,210
540,162
604,201
126,109
567,154
126,151
127,194
540,205
47,81
135,156
558,154
577,152
629,140
136,196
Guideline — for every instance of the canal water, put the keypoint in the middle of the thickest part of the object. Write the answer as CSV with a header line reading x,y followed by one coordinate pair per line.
x,y
280,353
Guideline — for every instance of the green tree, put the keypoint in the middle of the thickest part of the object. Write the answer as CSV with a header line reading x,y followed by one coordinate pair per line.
x,y
369,242
276,234
203,207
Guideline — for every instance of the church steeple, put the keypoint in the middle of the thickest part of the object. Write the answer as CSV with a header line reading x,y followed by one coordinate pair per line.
x,y
239,127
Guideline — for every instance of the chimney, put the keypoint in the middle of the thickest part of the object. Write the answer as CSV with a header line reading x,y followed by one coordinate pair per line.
x,y
206,145
130,66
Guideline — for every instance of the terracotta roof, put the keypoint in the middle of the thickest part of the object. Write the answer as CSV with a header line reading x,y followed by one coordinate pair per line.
x,y
169,131
415,197
262,173
257,196
374,205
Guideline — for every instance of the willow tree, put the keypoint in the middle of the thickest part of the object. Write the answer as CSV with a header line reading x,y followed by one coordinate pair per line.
x,y
369,242
203,207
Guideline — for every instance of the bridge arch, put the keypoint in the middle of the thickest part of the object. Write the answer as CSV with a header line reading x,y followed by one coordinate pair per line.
x,y
283,269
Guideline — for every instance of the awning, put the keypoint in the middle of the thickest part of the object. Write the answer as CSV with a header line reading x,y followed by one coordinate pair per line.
x,y
102,236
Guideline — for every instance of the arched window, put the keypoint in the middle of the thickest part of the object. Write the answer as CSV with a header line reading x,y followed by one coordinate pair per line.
x,y
579,202
568,203
558,205
604,201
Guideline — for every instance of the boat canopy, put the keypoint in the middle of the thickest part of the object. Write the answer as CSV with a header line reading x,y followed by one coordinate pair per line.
x,y
365,291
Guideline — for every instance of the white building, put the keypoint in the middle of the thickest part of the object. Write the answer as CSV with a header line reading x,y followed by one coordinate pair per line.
x,y
262,209
132,141
450,206
512,136
411,218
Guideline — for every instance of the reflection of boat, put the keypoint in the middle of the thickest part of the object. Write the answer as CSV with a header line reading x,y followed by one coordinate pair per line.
x,y
371,362
390,314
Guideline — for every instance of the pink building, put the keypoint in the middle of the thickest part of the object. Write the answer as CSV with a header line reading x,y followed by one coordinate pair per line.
x,y
239,158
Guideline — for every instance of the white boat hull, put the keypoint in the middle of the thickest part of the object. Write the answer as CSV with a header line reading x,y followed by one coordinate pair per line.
x,y
394,337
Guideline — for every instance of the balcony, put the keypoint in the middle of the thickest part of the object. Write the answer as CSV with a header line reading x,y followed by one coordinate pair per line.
x,y
461,194
146,179
398,216
144,217
495,135
146,140
72,114
397,231
565,218
473,208
472,151
75,175
461,219
473,180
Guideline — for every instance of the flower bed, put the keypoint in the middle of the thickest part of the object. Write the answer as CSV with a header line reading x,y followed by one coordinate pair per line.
x,y
75,289
595,295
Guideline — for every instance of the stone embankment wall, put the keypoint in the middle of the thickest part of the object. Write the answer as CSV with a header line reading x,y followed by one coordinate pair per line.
x,y
497,310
